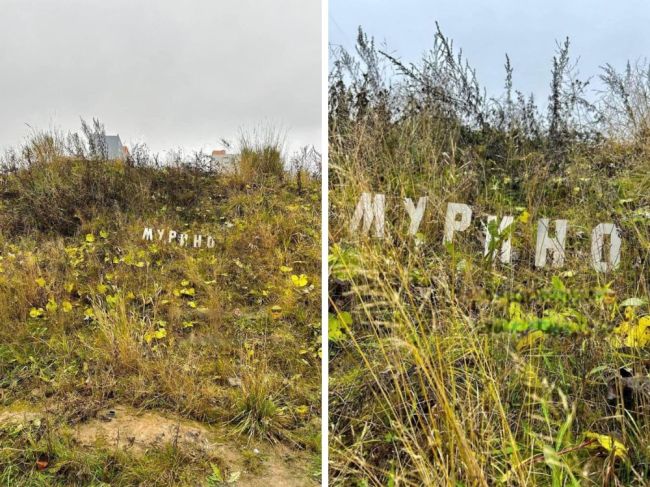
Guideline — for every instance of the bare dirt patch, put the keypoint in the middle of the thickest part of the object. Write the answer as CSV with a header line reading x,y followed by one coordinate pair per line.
x,y
138,432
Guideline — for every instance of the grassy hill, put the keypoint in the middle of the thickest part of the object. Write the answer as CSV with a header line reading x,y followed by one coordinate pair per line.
x,y
126,361
448,368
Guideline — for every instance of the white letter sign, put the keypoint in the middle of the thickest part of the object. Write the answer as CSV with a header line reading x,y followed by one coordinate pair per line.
x,y
597,244
506,245
416,214
553,244
369,211
452,223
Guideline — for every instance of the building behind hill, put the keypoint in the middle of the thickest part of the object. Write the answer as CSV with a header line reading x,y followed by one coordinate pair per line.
x,y
223,160
114,148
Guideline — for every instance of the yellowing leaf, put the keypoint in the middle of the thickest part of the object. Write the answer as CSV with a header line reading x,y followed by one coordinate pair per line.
x,y
103,233
90,238
529,340
284,268
40,281
627,334
299,281
185,283
89,313
140,264
67,306
51,306
102,288
191,304
302,410
159,334
188,291
524,216
36,313
276,311
639,335
608,443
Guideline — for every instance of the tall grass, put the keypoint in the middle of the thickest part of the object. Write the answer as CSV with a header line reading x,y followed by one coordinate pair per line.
x,y
429,385
260,154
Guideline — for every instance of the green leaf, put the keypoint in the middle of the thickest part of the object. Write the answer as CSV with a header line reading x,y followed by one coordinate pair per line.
x,y
338,326
216,473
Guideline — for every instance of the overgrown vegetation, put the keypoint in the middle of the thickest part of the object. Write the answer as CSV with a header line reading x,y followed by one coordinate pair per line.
x,y
447,368
94,316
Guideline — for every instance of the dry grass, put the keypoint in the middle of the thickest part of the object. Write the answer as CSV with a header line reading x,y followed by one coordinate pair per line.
x,y
426,386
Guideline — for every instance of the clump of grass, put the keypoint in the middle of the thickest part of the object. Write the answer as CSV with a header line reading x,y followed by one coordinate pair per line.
x,y
258,414
260,154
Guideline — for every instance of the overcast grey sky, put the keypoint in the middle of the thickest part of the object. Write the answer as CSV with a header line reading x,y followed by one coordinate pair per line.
x,y
601,31
170,73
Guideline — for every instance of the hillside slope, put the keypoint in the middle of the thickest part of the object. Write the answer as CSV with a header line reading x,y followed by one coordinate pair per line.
x,y
101,326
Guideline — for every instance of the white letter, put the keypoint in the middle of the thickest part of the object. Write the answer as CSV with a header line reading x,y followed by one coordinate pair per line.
x,y
452,224
369,212
210,242
555,245
506,245
197,240
171,236
148,234
160,233
416,214
597,244
183,239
